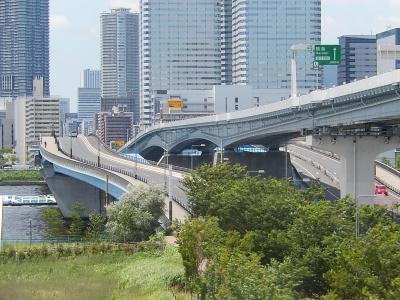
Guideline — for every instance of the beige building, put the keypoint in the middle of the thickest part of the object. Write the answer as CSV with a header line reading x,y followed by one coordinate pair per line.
x,y
34,116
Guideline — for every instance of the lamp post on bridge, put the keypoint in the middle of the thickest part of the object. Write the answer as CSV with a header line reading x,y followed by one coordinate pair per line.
x,y
135,153
98,151
191,154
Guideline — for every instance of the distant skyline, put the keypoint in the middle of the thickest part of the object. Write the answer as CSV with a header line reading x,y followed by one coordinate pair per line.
x,y
75,32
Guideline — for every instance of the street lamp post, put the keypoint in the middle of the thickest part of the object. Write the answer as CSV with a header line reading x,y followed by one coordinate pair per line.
x,y
358,212
191,154
136,155
1,225
70,146
98,152
286,162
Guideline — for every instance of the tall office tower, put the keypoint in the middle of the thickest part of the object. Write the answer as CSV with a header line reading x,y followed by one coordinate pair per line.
x,y
263,33
226,42
24,46
180,48
91,79
358,58
120,60
89,99
388,50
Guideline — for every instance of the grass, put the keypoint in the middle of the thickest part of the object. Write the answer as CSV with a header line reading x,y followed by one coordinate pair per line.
x,y
143,275
20,175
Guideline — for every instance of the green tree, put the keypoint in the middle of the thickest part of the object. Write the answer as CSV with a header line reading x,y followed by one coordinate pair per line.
x,y
54,222
97,226
77,226
367,268
135,217
199,239
13,158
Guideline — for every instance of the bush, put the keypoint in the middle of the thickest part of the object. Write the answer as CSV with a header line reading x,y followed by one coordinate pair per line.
x,y
135,217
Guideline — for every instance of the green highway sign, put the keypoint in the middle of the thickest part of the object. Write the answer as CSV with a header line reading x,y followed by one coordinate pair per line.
x,y
327,54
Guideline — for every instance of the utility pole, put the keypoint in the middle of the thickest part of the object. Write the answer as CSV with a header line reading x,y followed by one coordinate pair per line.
x,y
106,196
170,191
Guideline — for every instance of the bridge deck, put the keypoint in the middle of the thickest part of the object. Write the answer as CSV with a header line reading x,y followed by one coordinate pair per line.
x,y
48,144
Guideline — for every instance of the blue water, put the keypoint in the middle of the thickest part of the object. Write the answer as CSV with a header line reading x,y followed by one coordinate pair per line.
x,y
20,222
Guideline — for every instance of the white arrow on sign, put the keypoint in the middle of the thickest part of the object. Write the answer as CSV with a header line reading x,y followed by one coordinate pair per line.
x,y
334,53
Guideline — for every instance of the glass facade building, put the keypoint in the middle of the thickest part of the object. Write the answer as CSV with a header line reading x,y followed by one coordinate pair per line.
x,y
263,33
181,47
358,58
24,46
193,45
89,98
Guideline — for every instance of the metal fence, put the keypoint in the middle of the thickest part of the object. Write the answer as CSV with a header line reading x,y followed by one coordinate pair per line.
x,y
102,170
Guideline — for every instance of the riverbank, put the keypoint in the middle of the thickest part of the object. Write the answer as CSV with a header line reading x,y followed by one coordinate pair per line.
x,y
143,275
22,183
20,176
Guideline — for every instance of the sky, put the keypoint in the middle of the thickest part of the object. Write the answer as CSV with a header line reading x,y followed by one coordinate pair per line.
x,y
75,32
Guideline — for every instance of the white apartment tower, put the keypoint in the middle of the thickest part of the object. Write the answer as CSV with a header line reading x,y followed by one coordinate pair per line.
x,y
120,60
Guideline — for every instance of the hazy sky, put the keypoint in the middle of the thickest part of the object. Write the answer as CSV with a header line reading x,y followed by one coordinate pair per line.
x,y
75,29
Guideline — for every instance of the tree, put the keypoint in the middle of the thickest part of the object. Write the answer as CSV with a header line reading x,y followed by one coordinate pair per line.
x,y
13,159
367,268
135,217
97,226
54,222
77,226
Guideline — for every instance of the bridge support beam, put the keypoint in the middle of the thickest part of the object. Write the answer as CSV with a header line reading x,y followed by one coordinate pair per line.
x,y
357,156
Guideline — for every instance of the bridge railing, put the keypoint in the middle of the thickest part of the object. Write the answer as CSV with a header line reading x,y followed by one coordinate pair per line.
x,y
141,160
108,169
86,167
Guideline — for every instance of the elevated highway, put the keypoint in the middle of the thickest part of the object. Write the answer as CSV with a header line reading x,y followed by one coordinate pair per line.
x,y
357,121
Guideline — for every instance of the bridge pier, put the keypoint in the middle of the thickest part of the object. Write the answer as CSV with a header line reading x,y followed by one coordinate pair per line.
x,y
68,191
357,157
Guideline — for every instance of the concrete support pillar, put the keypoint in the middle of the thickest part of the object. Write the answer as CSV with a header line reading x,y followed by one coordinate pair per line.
x,y
357,156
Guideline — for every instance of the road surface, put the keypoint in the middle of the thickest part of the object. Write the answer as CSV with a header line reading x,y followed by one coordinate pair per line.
x,y
307,169
86,148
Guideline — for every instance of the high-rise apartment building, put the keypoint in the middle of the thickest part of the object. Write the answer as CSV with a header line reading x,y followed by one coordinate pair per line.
x,y
34,116
89,99
195,45
24,46
358,58
120,60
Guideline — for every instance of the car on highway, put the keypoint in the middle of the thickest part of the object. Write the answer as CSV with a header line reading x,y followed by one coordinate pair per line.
x,y
381,189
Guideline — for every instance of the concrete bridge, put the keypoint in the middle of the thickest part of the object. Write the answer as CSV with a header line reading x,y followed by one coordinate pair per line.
x,y
82,179
357,121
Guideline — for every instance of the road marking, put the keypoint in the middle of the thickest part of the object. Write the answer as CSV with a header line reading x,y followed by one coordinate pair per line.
x,y
125,161
316,153
315,178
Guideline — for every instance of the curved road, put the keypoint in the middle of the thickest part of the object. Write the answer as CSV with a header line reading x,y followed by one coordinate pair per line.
x,y
85,148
